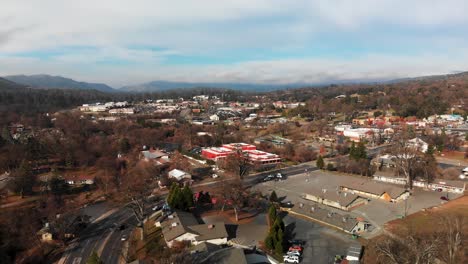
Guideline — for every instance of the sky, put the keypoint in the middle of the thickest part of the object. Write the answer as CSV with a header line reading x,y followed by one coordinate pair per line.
x,y
121,42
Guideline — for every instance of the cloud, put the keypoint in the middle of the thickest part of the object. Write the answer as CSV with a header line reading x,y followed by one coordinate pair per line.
x,y
123,42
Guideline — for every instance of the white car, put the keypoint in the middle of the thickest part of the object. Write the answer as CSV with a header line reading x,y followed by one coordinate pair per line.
x,y
214,176
123,237
293,253
279,176
291,259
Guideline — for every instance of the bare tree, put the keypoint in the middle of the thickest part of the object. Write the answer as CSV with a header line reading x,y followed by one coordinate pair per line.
x,y
406,158
137,186
410,249
235,195
451,234
239,164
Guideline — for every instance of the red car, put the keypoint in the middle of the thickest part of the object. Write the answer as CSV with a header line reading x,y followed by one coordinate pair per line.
x,y
295,248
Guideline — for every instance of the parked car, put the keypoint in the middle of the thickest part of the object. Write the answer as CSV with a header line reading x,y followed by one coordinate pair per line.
x,y
122,227
287,204
123,237
298,248
269,178
297,242
444,198
291,259
294,253
279,176
214,176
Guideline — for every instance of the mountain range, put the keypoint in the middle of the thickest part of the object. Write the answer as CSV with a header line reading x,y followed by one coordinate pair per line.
x,y
44,81
158,86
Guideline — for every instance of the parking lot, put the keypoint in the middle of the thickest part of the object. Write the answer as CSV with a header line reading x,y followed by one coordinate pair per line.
x,y
322,243
377,212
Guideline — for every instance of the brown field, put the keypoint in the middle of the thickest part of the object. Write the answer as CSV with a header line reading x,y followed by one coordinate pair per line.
x,y
423,222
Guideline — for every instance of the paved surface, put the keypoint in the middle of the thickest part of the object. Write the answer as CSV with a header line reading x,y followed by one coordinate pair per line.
x,y
322,243
101,236
377,212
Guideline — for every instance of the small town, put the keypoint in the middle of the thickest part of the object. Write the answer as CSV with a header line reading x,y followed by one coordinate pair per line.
x,y
233,132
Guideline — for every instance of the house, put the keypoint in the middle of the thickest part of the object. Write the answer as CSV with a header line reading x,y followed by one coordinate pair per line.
x,y
46,233
179,175
387,161
79,179
214,118
418,144
155,155
182,226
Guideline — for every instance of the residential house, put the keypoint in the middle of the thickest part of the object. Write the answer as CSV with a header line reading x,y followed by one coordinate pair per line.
x,y
155,155
46,233
78,180
418,144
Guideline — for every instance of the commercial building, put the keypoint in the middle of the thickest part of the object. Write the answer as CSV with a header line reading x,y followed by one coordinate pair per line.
x,y
248,151
376,190
337,199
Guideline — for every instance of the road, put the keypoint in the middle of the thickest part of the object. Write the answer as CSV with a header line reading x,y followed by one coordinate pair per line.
x,y
103,237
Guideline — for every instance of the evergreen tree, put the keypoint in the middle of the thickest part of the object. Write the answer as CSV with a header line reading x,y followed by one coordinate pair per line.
x,y
430,150
320,162
272,214
177,199
352,150
269,243
273,197
124,145
6,135
187,197
94,259
361,152
279,245
23,179
170,197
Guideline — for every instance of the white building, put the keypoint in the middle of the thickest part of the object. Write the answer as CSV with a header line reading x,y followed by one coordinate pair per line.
x,y
214,118
179,175
418,144
122,111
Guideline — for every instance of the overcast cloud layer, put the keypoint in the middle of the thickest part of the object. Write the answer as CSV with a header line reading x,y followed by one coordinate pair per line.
x,y
126,42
